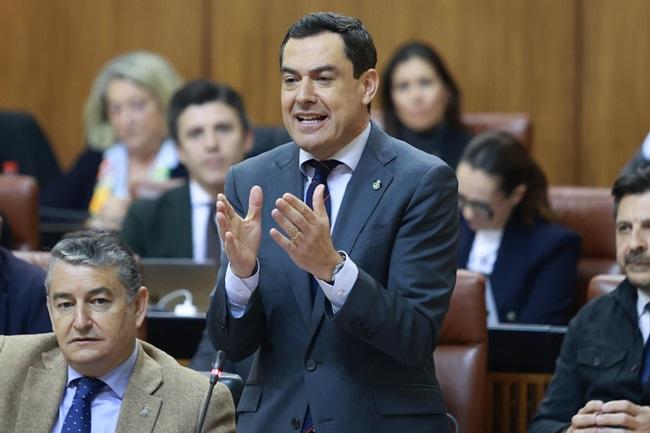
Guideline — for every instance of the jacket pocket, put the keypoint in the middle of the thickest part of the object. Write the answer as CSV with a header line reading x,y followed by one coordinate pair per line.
x,y
599,358
405,400
373,235
250,399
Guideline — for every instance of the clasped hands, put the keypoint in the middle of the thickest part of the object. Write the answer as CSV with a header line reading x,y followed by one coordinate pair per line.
x,y
305,234
611,417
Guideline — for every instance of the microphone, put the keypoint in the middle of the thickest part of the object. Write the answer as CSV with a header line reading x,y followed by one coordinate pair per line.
x,y
215,374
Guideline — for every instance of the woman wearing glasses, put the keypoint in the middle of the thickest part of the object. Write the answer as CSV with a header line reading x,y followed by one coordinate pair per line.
x,y
507,234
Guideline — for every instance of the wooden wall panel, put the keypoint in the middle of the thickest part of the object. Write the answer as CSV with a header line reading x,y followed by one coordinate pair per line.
x,y
507,55
615,86
579,67
50,51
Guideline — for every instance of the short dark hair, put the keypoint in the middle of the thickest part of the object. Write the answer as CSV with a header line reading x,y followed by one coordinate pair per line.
x,y
359,46
636,182
198,92
427,53
499,154
98,249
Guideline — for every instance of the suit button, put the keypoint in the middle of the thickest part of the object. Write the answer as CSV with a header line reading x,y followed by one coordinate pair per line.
x,y
511,316
310,365
596,361
295,423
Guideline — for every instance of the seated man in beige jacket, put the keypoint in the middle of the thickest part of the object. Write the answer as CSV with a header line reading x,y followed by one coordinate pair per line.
x,y
93,371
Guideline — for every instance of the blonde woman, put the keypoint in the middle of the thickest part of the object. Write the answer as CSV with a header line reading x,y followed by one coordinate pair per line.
x,y
129,152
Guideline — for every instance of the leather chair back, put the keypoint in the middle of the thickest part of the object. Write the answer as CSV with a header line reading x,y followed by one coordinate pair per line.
x,y
590,212
461,354
19,205
517,124
603,284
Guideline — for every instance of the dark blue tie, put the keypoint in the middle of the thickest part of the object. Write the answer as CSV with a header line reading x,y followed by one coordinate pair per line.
x,y
78,418
322,170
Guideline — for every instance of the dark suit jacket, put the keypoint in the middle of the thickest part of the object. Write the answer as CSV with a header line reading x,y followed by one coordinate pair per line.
x,y
369,367
534,276
161,227
35,374
600,360
23,308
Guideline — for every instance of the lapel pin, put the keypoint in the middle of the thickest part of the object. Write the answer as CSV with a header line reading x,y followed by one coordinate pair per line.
x,y
145,411
376,185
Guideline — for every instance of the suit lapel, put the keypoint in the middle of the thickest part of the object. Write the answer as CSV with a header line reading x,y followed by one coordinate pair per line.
x,y
364,191
510,263
286,177
367,185
139,407
37,394
177,230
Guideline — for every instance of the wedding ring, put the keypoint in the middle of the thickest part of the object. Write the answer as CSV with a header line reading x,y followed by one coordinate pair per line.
x,y
295,236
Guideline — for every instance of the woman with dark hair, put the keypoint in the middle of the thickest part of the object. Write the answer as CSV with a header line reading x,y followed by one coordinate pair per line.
x,y
421,103
507,233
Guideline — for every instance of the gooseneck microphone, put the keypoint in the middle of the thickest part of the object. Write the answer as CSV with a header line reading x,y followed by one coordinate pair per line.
x,y
215,374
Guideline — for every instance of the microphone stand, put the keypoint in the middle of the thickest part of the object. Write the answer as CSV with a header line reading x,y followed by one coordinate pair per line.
x,y
215,374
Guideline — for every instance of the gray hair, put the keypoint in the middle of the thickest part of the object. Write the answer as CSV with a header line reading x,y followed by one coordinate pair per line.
x,y
99,249
148,70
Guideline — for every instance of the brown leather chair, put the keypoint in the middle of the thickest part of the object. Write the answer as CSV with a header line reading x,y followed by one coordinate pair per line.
x,y
517,124
461,355
590,212
603,284
19,205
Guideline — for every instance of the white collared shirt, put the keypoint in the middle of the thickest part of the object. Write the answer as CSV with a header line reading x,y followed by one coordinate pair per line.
x,y
644,315
201,202
482,257
239,290
105,407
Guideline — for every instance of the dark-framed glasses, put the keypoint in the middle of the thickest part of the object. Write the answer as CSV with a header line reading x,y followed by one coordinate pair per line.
x,y
480,208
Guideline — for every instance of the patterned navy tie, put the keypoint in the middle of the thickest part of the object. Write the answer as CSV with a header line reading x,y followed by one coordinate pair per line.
x,y
322,170
78,418
212,235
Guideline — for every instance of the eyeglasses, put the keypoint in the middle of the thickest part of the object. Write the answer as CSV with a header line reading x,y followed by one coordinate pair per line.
x,y
480,208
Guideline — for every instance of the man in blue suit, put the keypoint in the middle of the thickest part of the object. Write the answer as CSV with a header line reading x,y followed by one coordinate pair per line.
x,y
343,302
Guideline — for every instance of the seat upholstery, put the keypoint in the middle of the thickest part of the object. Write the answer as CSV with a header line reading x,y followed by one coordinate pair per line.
x,y
590,212
19,205
461,354
603,284
517,124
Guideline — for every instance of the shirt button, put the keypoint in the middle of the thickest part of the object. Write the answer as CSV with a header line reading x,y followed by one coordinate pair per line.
x,y
310,365
295,423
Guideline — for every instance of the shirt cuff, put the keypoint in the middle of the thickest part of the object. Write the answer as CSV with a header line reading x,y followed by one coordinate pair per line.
x,y
338,293
240,290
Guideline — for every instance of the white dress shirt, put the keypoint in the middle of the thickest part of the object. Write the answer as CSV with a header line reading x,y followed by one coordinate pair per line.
x,y
482,257
644,316
239,290
201,202
105,407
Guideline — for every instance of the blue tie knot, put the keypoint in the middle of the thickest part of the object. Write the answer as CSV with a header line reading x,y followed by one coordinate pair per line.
x,y
322,168
88,388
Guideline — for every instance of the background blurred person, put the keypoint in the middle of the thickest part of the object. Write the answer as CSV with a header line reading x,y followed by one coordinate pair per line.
x,y
129,152
506,233
422,103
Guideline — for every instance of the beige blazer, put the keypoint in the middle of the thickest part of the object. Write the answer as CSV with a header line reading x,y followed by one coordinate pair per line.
x,y
161,396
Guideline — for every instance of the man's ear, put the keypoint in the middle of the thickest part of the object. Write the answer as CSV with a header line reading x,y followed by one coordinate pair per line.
x,y
248,142
140,301
370,82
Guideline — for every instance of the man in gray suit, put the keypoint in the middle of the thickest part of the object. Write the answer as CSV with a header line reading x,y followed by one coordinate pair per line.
x,y
92,371
344,301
